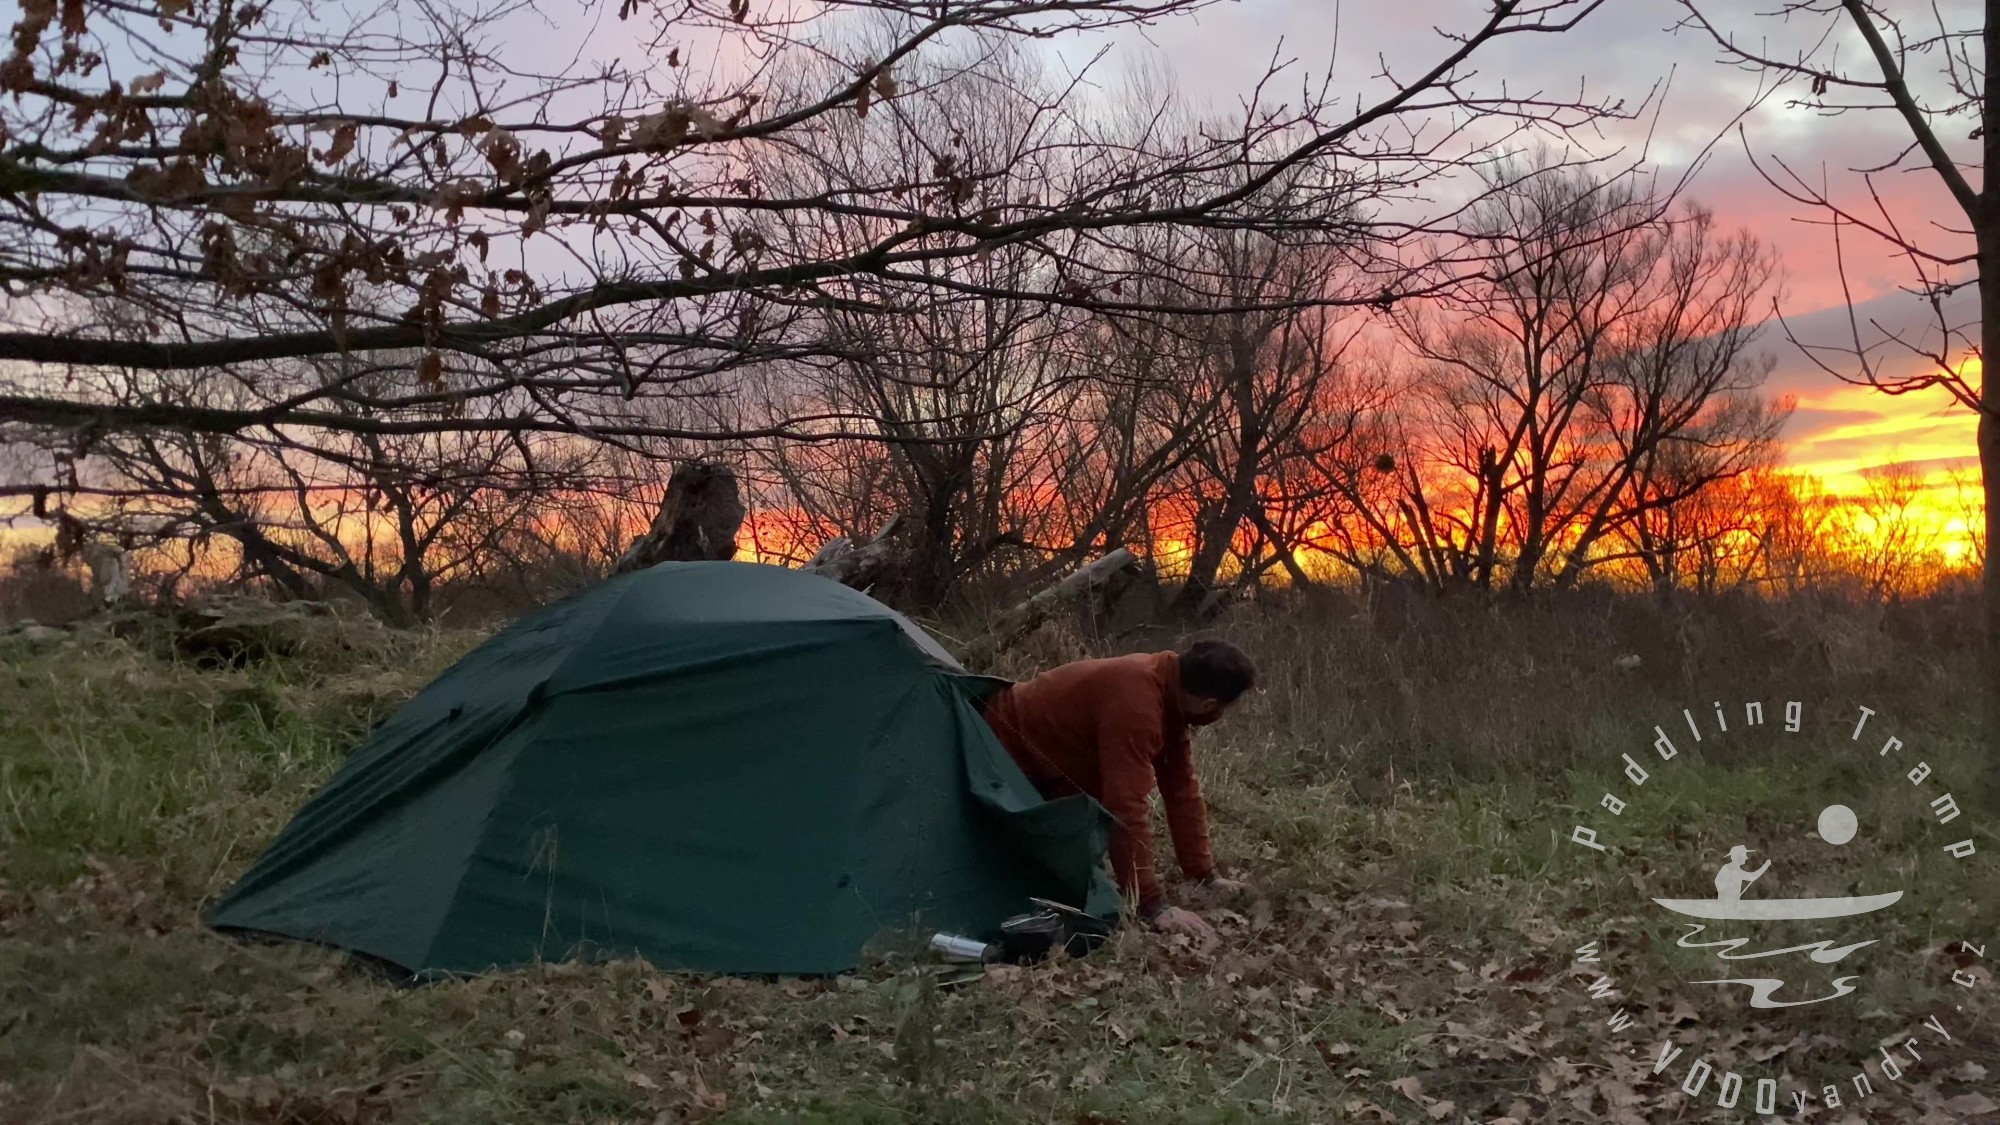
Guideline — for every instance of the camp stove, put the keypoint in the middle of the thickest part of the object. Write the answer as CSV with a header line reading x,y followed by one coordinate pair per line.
x,y
1028,937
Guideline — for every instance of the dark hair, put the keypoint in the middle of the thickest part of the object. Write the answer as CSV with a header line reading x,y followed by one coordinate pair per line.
x,y
1216,670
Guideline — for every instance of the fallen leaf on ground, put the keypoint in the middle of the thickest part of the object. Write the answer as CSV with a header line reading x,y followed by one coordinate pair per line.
x,y
1971,1105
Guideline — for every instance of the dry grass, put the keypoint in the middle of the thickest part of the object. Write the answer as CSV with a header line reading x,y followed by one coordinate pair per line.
x,y
1398,794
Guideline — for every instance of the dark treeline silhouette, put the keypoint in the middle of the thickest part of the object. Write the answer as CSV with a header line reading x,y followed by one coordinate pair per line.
x,y
890,268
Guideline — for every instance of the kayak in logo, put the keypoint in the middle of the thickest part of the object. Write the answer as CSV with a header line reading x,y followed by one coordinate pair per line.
x,y
1729,903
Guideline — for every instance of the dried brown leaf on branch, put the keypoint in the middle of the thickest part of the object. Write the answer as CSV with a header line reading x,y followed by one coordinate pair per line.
x,y
344,136
503,151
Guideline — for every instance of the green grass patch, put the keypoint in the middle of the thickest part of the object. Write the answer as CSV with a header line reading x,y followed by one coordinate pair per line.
x,y
1411,956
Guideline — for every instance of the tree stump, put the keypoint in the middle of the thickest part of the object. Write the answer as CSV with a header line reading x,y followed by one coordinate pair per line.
x,y
698,519
110,572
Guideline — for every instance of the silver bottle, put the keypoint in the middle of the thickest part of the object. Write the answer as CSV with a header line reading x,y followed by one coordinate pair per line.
x,y
956,948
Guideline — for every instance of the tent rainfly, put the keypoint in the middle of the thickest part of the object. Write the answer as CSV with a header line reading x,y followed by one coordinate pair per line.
x,y
717,766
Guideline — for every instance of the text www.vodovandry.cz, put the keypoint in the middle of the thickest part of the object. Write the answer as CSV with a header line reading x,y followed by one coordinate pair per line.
x,y
1836,827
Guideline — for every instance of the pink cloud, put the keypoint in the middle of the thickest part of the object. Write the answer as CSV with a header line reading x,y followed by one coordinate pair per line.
x,y
1627,50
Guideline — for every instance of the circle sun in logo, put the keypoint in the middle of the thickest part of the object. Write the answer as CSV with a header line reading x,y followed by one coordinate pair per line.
x,y
1837,824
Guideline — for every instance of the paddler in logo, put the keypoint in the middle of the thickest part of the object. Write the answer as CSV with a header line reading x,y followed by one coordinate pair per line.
x,y
1734,876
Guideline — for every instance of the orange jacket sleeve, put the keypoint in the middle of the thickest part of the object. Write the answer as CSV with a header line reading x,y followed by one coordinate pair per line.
x,y
1187,814
1128,739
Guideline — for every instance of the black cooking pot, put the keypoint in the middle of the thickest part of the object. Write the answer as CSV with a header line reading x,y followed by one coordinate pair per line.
x,y
1030,937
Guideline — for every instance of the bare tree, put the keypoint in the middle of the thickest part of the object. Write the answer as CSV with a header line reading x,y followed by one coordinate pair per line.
x,y
1130,426
1012,422
1953,87
1799,532
1274,376
1692,528
955,370
1600,371
1902,543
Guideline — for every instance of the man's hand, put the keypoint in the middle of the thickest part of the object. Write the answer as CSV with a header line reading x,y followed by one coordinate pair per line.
x,y
1215,892
1174,920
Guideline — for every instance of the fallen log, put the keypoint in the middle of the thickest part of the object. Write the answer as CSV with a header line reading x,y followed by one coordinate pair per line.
x,y
863,565
1010,627
232,631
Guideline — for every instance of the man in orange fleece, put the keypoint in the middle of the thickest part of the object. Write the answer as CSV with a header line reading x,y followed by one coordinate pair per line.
x,y
1117,729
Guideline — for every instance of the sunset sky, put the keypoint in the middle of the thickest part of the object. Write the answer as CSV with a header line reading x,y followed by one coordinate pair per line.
x,y
1626,49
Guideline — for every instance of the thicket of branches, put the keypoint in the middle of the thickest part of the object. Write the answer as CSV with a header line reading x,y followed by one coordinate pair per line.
x,y
329,300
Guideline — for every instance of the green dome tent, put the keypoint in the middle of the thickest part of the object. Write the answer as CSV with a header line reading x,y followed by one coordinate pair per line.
x,y
721,767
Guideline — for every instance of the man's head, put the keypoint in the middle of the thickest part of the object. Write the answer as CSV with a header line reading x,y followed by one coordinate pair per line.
x,y
1739,854
1213,675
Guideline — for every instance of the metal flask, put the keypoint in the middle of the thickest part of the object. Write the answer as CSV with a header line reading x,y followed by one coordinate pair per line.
x,y
954,947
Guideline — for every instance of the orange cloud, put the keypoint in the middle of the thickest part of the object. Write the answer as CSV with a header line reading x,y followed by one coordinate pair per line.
x,y
1852,434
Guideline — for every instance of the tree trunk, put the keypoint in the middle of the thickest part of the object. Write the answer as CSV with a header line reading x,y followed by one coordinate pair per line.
x,y
1986,228
698,519
1218,536
1486,562
1989,473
